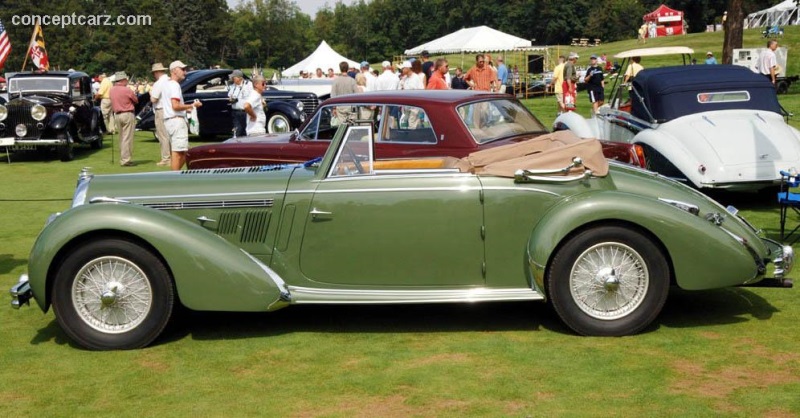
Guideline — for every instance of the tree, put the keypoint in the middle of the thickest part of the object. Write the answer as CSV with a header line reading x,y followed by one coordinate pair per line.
x,y
734,30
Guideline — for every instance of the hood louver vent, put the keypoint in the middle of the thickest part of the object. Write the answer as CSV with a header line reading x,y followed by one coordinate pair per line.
x,y
236,170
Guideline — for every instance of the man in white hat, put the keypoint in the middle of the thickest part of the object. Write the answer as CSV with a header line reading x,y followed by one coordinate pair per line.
x,y
710,60
388,80
175,114
123,102
570,87
160,74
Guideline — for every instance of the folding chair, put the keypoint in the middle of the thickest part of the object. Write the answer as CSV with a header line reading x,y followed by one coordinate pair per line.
x,y
789,201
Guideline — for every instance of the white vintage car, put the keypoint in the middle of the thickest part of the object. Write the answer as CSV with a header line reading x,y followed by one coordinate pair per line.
x,y
712,126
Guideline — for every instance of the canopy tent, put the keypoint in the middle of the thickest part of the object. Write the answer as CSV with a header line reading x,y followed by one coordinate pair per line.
x,y
477,39
323,57
668,21
785,13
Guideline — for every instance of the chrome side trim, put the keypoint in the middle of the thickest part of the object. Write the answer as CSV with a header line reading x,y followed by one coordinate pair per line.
x,y
285,296
105,199
688,207
307,295
218,204
401,174
523,176
521,189
205,195
403,189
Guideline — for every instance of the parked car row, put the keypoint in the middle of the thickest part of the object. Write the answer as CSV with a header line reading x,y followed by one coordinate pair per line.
x,y
285,111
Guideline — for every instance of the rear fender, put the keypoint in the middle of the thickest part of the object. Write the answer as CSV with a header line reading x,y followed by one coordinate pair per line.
x,y
576,123
674,151
209,272
702,255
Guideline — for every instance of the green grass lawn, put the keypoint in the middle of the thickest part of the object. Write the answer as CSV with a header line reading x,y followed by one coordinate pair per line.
x,y
723,352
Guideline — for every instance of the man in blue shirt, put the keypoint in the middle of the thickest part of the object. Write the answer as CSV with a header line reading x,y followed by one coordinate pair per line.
x,y
710,60
502,74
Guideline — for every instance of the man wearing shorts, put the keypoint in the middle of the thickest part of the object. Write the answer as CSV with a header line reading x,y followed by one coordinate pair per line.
x,y
175,114
595,84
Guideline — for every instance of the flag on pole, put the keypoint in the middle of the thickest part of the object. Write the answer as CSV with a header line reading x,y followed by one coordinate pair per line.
x,y
5,45
37,49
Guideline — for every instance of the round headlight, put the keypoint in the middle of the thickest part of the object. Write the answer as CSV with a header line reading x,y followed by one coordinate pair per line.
x,y
3,113
38,112
300,106
21,130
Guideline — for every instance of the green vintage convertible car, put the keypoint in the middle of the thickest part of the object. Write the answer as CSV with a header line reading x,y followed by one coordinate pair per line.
x,y
544,219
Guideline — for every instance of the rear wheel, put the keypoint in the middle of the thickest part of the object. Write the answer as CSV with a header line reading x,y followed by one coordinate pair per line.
x,y
608,281
112,294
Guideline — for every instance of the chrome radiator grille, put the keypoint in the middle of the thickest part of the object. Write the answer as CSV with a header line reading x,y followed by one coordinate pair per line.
x,y
21,113
310,105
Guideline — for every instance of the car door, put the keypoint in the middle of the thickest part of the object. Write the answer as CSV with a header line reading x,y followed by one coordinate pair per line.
x,y
215,114
369,227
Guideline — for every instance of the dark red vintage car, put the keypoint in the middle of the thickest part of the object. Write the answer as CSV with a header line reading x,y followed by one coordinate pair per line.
x,y
408,124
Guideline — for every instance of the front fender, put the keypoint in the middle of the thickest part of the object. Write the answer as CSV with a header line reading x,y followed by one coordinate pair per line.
x,y
59,121
295,116
702,255
209,272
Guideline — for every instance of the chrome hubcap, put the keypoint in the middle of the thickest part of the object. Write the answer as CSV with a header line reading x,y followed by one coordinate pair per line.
x,y
278,125
609,281
112,294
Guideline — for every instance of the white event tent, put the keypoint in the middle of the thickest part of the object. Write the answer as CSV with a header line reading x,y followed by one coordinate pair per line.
x,y
323,57
784,13
476,39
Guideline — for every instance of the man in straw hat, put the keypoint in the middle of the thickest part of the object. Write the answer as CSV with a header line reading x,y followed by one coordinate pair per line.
x,y
160,74
123,103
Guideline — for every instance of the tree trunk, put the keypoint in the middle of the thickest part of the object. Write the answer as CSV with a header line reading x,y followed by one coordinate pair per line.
x,y
734,30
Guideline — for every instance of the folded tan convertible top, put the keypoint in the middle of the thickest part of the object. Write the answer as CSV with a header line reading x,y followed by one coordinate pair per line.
x,y
552,151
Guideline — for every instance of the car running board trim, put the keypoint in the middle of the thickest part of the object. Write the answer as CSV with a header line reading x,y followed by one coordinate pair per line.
x,y
307,295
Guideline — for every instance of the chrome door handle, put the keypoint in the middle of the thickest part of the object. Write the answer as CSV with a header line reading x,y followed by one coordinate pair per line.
x,y
316,213
204,219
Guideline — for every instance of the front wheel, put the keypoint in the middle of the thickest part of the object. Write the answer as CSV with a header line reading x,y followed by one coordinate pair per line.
x,y
278,123
112,294
66,151
608,281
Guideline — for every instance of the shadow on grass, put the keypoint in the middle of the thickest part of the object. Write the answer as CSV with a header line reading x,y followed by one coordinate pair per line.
x,y
364,319
684,309
9,263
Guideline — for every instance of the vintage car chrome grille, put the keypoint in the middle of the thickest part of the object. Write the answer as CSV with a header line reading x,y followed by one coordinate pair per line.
x,y
310,105
21,113
211,204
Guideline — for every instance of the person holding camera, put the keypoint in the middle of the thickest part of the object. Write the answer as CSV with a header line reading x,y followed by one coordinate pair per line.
x,y
238,92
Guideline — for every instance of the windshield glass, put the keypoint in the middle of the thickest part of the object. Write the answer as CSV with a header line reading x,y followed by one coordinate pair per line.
x,y
495,119
38,84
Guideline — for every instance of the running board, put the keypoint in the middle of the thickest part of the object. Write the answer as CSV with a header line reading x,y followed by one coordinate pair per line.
x,y
307,295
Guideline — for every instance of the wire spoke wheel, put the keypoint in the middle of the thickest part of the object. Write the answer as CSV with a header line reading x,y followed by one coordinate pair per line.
x,y
112,295
609,280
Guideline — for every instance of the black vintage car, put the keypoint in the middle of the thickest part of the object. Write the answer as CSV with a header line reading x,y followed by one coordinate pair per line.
x,y
50,111
286,110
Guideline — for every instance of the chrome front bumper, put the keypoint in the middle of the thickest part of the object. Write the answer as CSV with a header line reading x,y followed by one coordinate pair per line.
x,y
21,292
783,262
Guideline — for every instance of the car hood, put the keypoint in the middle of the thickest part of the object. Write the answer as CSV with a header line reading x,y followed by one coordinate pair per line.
x,y
162,189
35,99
